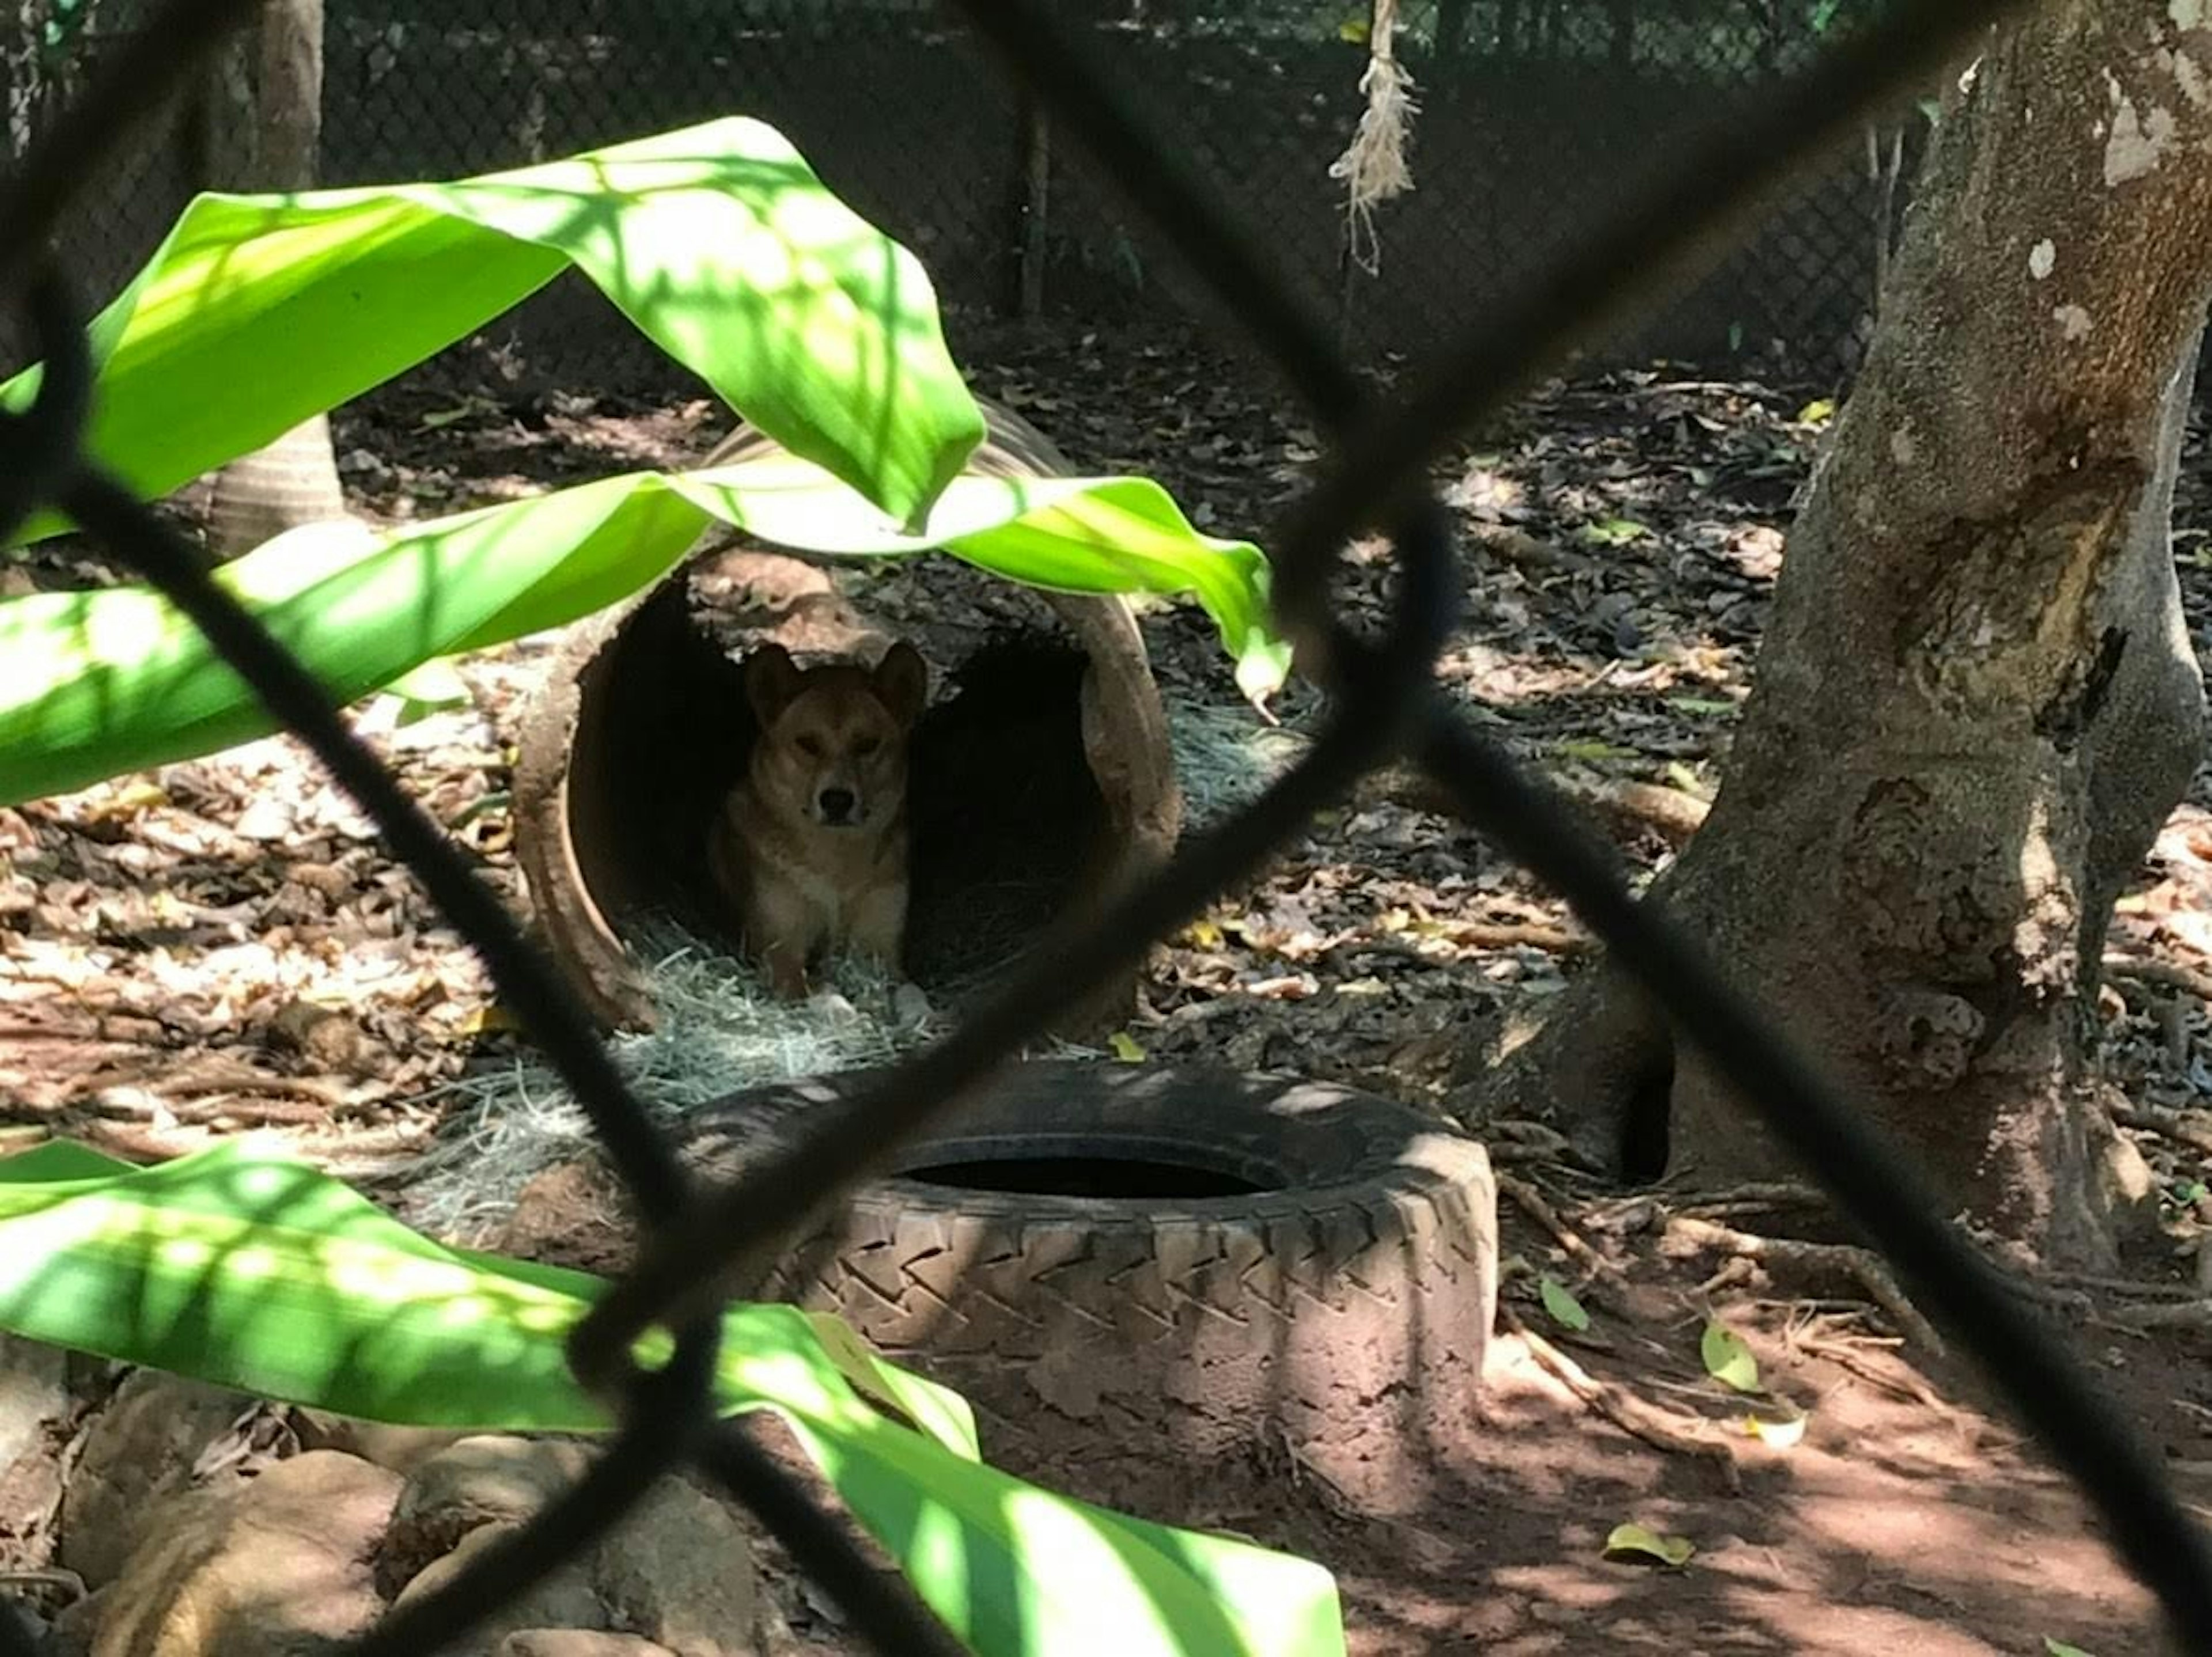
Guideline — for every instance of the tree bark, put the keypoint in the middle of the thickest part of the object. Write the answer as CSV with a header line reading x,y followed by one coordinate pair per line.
x,y
269,116
1976,701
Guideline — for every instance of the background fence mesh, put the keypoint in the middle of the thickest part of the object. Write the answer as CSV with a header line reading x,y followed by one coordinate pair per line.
x,y
1533,115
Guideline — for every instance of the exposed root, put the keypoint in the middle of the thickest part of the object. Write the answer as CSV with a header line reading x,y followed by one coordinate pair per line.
x,y
1760,1197
2166,975
2168,1124
1673,813
1625,1410
2191,1314
1861,1266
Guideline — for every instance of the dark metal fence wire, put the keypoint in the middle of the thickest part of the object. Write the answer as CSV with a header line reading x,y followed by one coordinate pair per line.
x,y
702,1246
1524,106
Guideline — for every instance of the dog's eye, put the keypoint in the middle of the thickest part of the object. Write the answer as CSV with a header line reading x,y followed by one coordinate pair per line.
x,y
810,746
866,746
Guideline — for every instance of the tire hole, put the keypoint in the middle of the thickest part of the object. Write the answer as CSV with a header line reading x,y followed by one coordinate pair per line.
x,y
1647,1110
1085,1176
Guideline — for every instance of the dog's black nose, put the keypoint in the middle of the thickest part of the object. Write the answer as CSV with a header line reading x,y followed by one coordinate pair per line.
x,y
838,804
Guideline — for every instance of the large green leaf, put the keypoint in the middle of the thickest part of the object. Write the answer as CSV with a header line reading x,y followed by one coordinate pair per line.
x,y
106,682
717,240
241,1266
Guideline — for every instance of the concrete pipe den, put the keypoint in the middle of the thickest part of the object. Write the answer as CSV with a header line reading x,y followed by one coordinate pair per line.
x,y
1041,775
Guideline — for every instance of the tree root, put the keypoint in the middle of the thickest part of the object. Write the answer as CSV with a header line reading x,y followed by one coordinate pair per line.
x,y
1861,1266
2166,1124
1673,815
1623,805
1625,1410
2166,975
1759,1197
2195,1315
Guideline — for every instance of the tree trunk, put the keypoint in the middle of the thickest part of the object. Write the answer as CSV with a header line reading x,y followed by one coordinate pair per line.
x,y
1976,701
268,130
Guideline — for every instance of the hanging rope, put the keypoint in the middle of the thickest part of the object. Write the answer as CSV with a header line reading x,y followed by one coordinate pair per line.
x,y
1374,168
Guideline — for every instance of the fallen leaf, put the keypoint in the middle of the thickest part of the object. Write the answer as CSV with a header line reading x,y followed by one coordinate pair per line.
x,y
1727,1359
486,1018
1673,1552
2060,1648
1566,1311
1202,935
1125,1047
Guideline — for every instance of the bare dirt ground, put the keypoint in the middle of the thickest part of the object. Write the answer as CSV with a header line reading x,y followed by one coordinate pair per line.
x,y
223,945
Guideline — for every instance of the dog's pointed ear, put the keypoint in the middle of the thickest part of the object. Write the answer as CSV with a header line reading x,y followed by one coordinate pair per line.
x,y
771,681
903,684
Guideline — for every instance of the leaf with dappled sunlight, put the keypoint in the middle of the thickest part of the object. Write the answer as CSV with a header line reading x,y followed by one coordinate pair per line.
x,y
241,1266
102,682
1728,1359
717,240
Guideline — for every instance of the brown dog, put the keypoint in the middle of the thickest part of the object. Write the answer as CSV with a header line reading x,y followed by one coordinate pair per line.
x,y
810,851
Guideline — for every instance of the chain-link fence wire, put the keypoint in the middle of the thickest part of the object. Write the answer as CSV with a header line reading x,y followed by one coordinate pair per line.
x,y
1530,113
699,1247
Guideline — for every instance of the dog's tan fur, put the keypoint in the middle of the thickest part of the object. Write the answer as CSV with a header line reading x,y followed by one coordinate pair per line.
x,y
810,850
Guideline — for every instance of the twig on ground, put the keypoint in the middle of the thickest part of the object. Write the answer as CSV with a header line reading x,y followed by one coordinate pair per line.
x,y
1901,1382
1625,1410
1862,1266
1531,1202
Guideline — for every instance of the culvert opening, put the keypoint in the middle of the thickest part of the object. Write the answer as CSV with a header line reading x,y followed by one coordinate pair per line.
x,y
1007,820
1109,1177
1041,777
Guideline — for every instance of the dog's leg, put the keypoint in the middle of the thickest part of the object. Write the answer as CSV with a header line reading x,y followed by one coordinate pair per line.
x,y
782,933
877,930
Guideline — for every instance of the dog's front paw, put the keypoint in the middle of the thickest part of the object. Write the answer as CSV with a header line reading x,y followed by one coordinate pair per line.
x,y
834,1003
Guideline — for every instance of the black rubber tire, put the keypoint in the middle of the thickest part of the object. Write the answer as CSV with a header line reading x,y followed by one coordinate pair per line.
x,y
1335,1312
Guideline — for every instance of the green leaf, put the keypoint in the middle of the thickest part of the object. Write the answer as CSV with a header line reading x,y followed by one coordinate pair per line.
x,y
1673,1552
434,684
106,682
718,241
2060,1648
1728,1359
1818,412
239,1267
1615,532
1566,1311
